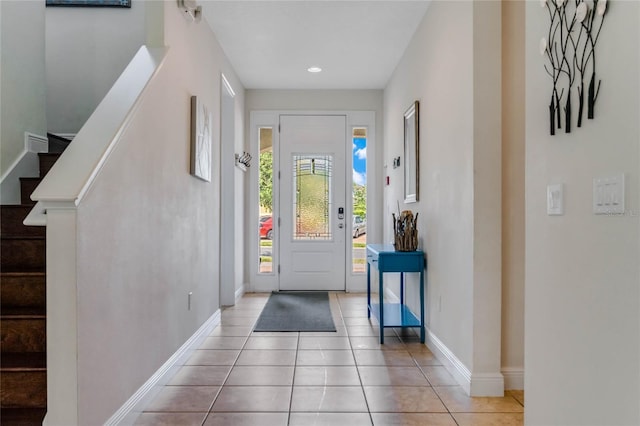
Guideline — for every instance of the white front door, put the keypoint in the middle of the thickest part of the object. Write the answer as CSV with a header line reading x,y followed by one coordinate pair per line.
x,y
312,202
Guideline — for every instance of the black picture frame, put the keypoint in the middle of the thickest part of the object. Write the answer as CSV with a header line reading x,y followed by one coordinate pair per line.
x,y
89,3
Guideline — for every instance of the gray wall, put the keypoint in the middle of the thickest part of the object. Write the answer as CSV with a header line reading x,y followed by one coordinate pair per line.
x,y
472,223
86,51
149,232
442,80
22,76
582,316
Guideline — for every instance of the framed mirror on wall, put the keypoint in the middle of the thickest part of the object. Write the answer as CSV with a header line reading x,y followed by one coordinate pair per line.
x,y
412,153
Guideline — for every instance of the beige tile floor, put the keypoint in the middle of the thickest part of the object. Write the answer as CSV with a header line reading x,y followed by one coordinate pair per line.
x,y
238,377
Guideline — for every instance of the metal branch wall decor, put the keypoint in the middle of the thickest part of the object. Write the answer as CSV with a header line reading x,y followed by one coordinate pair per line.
x,y
570,52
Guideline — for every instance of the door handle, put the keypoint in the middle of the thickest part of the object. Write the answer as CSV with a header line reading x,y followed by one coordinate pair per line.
x,y
340,213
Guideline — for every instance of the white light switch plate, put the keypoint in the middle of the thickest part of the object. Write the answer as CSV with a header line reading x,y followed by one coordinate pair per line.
x,y
608,195
555,199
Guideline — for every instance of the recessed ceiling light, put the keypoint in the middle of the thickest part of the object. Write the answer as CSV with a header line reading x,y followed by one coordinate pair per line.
x,y
314,69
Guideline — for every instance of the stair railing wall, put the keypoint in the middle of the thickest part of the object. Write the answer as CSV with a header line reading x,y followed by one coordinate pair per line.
x,y
76,169
58,197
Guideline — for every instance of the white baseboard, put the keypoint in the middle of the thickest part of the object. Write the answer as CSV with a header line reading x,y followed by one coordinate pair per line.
x,y
35,143
25,165
390,296
240,293
129,412
487,384
478,384
458,370
513,378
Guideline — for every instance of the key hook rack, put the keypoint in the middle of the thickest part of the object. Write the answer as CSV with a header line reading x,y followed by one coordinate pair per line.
x,y
243,161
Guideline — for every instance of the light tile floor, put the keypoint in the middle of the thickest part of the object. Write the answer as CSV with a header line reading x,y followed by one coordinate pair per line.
x,y
238,377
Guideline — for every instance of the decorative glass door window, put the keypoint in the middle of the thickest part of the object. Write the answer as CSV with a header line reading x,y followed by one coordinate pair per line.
x,y
312,197
359,200
266,220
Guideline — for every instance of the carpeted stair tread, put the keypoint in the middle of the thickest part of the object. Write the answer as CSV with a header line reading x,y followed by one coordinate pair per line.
x,y
23,361
23,333
27,186
23,387
57,144
16,272
22,416
23,237
46,161
28,253
23,290
11,218
22,312
15,209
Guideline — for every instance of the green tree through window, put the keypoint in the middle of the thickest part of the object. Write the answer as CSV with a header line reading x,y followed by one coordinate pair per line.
x,y
266,180
359,200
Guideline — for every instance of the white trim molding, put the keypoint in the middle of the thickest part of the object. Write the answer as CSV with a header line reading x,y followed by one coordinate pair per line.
x,y
26,164
130,410
35,143
458,370
474,384
32,143
513,378
267,282
76,171
487,384
240,292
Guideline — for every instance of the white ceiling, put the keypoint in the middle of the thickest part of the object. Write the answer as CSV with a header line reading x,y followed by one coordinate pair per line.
x,y
272,43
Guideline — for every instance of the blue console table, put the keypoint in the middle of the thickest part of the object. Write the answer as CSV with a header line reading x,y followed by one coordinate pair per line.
x,y
386,259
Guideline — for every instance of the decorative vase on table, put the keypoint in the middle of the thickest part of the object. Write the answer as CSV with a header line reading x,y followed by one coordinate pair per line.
x,y
405,231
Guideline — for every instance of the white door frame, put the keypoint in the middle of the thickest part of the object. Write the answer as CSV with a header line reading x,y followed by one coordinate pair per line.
x,y
308,263
228,276
355,282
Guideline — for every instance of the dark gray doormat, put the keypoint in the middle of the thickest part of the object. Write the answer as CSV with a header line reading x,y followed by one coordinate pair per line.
x,y
296,311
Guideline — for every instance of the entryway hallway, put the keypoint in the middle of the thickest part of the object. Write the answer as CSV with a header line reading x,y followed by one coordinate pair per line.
x,y
238,377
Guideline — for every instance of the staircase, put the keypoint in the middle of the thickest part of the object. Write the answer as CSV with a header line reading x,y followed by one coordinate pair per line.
x,y
23,370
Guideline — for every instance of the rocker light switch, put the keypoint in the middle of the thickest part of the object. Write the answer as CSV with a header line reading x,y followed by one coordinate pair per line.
x,y
608,195
555,199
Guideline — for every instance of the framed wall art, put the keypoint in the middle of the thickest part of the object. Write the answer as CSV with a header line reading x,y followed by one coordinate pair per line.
x,y
201,133
89,3
569,49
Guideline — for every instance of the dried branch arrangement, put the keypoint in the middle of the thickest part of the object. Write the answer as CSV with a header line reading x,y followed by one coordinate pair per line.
x,y
405,230
570,50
